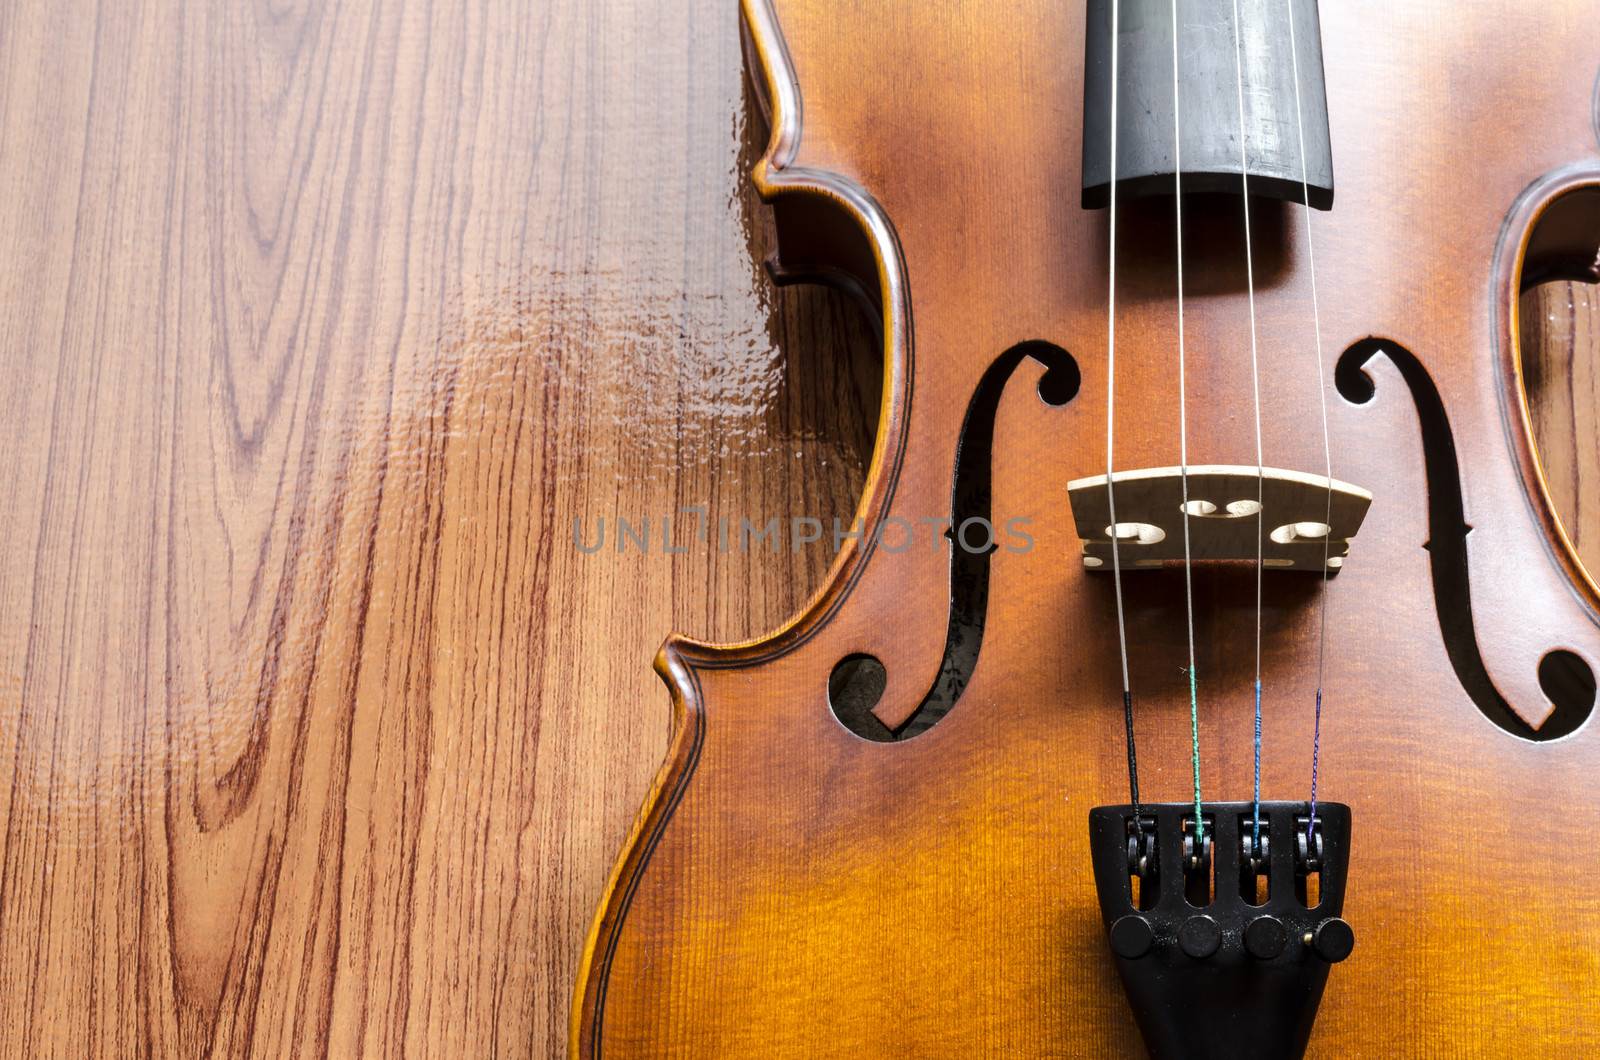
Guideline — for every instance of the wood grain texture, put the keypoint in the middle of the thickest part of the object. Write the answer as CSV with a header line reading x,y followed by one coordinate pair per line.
x,y
797,890
321,323
1562,340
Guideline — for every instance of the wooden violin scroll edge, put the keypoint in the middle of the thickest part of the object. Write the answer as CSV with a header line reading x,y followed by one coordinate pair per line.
x,y
779,184
1520,263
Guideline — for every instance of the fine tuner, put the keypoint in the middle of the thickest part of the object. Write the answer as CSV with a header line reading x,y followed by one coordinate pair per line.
x,y
1186,950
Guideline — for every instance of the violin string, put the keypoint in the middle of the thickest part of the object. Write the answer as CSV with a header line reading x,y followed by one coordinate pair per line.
x,y
1255,385
1183,441
1327,448
1111,433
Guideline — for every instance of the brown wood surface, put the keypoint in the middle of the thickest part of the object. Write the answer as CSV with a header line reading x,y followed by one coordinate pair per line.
x,y
795,890
1562,344
322,323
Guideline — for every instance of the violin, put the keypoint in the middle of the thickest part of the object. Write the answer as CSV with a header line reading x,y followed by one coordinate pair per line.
x,y
1206,671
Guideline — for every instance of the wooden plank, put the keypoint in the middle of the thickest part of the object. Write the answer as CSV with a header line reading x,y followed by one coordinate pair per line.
x,y
1561,324
323,323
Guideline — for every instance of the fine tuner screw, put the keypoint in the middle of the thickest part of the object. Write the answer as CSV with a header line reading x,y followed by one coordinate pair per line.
x,y
1333,940
1265,937
1131,937
1199,937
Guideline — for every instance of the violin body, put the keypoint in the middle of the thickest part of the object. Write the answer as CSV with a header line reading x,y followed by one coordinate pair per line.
x,y
793,889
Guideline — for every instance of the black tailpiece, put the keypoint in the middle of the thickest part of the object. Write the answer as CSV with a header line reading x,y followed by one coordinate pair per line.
x,y
1223,946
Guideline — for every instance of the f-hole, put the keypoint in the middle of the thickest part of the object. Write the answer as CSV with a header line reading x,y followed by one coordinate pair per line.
x,y
854,688
1565,678
970,498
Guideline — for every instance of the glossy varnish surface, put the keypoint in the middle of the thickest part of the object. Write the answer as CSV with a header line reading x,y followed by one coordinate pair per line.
x,y
796,890
1563,355
321,325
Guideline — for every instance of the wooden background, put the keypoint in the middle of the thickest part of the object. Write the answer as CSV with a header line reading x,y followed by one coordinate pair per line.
x,y
322,323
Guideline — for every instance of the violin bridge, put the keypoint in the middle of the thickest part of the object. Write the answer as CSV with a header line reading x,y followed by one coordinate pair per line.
x,y
1299,531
